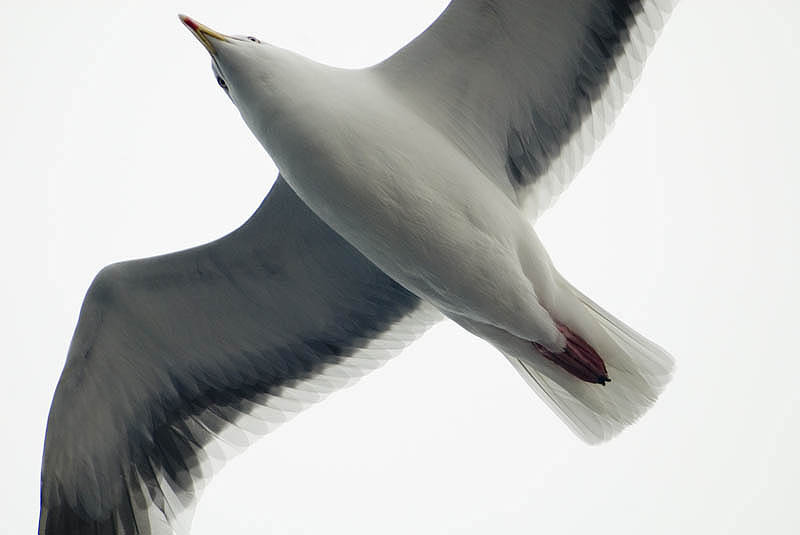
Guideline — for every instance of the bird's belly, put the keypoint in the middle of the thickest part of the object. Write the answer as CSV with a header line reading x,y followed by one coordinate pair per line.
x,y
420,210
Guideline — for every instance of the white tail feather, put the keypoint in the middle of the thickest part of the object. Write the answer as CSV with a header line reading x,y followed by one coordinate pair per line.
x,y
639,371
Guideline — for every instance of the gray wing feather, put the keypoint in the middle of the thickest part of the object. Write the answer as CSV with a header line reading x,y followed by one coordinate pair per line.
x,y
527,87
178,360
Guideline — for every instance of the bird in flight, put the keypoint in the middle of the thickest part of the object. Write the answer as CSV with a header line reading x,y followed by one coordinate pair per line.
x,y
406,194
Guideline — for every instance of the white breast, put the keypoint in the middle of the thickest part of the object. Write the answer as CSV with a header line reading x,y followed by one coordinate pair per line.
x,y
398,190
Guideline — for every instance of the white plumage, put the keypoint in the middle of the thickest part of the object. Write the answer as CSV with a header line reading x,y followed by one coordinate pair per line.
x,y
406,188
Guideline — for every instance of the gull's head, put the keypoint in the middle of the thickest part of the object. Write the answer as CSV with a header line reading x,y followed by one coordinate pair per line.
x,y
253,74
234,59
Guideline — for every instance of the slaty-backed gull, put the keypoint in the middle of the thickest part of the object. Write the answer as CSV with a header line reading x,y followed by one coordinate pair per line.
x,y
406,192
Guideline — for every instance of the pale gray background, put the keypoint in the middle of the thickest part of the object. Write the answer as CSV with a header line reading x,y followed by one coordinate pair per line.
x,y
117,143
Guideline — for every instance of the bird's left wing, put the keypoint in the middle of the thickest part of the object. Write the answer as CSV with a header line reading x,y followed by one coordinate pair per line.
x,y
179,360
526,88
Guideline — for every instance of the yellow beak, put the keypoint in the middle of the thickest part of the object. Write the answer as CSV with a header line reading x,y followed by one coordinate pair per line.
x,y
203,33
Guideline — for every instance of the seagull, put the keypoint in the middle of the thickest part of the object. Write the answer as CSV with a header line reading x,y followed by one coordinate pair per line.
x,y
406,193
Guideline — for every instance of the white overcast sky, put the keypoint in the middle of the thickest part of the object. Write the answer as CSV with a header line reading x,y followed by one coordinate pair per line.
x,y
117,143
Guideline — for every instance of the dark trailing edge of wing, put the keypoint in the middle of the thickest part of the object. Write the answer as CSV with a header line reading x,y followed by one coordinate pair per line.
x,y
171,350
531,150
514,82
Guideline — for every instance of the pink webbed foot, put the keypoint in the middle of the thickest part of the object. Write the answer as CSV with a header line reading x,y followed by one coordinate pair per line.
x,y
578,358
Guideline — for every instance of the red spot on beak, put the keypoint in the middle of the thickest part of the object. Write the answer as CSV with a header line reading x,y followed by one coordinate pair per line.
x,y
190,23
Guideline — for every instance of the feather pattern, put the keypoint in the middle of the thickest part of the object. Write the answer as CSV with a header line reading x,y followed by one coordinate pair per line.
x,y
527,88
180,361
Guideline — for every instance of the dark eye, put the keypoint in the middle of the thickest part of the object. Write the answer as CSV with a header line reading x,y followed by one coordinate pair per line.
x,y
222,83
251,38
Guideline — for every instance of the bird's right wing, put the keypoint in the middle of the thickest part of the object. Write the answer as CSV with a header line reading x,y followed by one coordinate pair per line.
x,y
526,88
179,360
